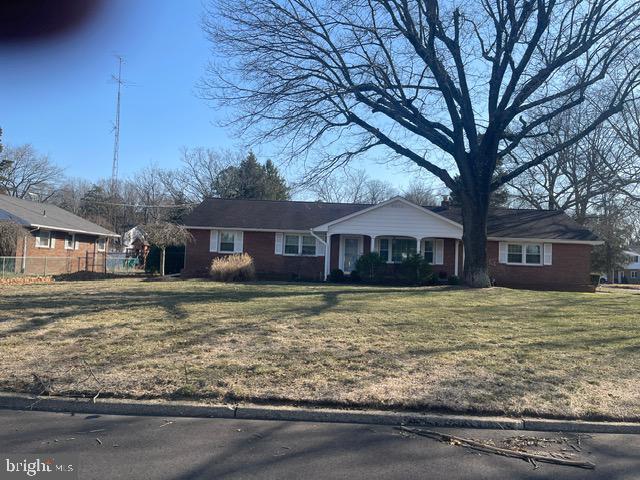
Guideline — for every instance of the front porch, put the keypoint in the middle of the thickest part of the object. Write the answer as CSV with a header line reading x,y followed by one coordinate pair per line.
x,y
395,229
343,250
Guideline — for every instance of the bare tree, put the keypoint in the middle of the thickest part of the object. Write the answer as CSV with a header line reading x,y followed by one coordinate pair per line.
x,y
351,186
420,193
163,235
471,79
28,173
578,178
200,167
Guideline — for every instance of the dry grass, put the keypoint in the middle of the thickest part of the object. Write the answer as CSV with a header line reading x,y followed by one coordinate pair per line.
x,y
233,268
497,350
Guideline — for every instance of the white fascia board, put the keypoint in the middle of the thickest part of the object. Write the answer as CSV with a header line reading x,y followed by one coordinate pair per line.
x,y
326,226
71,230
545,240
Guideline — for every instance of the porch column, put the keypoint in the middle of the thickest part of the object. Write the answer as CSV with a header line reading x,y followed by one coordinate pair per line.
x,y
456,256
327,256
418,244
373,243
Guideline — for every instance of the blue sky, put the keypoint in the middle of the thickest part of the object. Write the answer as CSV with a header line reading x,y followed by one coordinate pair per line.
x,y
57,95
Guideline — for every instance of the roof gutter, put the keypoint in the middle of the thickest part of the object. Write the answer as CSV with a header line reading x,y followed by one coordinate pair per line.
x,y
546,240
72,230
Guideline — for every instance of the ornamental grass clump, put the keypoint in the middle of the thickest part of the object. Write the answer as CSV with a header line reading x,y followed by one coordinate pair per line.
x,y
233,268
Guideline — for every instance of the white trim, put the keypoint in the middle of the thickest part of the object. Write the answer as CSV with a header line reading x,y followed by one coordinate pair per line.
x,y
50,243
98,249
300,244
236,241
65,229
279,243
523,254
74,242
325,226
544,240
457,247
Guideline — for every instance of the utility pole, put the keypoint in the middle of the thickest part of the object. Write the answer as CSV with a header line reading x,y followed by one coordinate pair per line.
x,y
116,128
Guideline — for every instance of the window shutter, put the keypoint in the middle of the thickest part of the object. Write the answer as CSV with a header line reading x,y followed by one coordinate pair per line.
x,y
502,252
213,241
279,242
320,247
53,240
238,242
439,253
548,254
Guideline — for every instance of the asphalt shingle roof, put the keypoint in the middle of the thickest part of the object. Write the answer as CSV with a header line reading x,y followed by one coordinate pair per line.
x,y
291,215
32,214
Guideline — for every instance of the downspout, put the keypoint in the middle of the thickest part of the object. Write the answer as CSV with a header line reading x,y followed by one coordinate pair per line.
x,y
326,251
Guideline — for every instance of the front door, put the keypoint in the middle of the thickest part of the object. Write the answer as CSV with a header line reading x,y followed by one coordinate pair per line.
x,y
351,253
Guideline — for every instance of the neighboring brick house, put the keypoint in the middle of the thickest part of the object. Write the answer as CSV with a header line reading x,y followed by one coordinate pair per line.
x,y
287,239
54,241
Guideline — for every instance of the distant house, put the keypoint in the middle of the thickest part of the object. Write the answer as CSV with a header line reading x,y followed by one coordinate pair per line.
x,y
55,240
287,239
630,271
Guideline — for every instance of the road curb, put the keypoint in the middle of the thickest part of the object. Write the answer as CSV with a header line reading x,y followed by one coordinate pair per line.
x,y
16,401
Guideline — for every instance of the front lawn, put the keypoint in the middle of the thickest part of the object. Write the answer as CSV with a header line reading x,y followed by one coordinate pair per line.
x,y
496,350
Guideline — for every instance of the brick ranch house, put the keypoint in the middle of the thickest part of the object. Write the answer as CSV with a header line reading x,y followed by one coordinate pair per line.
x,y
55,240
288,239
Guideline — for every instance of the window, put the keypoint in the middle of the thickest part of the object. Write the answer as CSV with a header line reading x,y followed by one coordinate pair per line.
x,y
43,239
525,254
514,253
70,242
227,242
634,274
383,249
299,244
428,251
636,259
534,254
402,248
308,245
102,244
291,244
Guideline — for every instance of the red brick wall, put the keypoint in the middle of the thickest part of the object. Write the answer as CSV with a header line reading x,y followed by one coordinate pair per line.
x,y
570,269
261,246
59,259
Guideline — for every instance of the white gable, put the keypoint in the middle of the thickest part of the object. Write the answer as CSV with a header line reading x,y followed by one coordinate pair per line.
x,y
397,217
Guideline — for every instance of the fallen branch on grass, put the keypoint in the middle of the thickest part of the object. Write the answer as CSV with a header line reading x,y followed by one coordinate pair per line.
x,y
484,447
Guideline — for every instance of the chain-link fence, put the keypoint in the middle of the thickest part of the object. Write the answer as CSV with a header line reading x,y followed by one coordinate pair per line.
x,y
100,263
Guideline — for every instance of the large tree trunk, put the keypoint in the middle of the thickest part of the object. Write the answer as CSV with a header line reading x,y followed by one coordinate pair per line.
x,y
474,236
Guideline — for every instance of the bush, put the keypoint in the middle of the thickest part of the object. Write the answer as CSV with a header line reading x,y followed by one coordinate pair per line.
x,y
355,277
233,268
416,270
453,280
336,276
371,267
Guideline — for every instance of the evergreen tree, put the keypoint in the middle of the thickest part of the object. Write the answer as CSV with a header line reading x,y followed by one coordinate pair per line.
x,y
252,180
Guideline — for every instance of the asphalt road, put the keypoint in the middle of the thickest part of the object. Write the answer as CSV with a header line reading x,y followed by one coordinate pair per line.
x,y
132,448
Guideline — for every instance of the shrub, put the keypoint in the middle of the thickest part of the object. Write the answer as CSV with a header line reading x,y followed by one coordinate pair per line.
x,y
371,267
453,280
355,277
233,268
336,275
416,270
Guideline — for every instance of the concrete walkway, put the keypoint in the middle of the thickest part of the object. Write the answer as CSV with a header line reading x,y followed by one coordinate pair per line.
x,y
132,448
